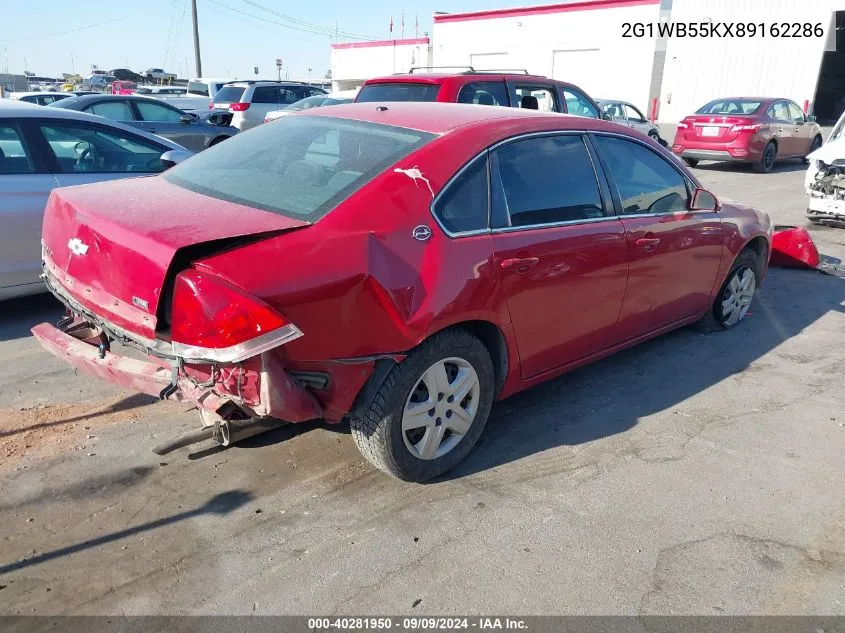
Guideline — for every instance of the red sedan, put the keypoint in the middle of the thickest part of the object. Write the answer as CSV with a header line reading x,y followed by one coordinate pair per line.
x,y
759,131
398,265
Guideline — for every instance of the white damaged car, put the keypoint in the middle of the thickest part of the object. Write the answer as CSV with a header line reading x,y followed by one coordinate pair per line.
x,y
825,179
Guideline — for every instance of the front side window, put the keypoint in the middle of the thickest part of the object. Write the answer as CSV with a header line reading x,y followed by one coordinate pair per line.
x,y
548,180
464,204
536,98
13,158
578,104
86,148
114,110
157,112
632,114
484,93
647,183
795,113
300,167
399,91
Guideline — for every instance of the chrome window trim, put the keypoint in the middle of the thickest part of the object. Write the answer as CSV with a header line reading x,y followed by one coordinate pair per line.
x,y
529,227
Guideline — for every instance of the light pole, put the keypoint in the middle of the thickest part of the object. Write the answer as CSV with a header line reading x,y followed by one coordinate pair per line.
x,y
72,65
309,76
196,38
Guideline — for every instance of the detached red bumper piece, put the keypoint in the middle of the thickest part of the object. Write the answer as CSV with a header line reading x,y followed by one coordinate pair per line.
x,y
792,247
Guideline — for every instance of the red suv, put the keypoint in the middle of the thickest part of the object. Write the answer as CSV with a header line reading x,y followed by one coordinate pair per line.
x,y
515,90
759,131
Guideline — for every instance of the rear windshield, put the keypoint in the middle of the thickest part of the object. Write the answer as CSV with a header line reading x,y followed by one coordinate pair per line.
x,y
300,167
306,104
229,94
731,106
399,91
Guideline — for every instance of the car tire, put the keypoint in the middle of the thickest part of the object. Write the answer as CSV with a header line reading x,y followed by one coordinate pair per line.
x,y
817,143
217,140
387,439
768,159
718,317
691,162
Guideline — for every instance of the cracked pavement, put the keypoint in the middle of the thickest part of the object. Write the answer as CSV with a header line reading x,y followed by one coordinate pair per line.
x,y
694,474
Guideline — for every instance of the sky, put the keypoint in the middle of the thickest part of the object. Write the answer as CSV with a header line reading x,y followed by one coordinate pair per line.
x,y
49,37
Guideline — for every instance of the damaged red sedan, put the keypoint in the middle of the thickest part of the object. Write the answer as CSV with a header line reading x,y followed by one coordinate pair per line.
x,y
398,265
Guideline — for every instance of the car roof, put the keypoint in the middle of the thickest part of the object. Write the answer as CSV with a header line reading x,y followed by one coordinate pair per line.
x,y
83,99
437,78
440,118
18,95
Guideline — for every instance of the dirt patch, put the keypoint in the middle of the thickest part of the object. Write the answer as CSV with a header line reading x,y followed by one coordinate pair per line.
x,y
47,429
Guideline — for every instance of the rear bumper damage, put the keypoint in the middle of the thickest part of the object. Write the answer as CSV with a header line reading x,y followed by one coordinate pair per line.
x,y
258,387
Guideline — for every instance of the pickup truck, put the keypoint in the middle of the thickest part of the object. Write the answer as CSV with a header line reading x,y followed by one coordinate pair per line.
x,y
158,74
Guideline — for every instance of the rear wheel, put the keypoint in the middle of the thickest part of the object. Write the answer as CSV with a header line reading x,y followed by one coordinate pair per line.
x,y
817,143
767,161
735,297
692,162
430,410
217,140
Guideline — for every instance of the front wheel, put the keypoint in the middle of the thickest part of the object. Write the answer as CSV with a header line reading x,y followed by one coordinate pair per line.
x,y
430,410
817,143
735,297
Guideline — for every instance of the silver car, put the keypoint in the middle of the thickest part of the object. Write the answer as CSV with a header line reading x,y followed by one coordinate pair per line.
x,y
628,114
43,148
189,129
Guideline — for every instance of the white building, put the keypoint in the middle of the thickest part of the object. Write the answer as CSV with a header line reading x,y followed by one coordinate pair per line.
x,y
582,42
355,62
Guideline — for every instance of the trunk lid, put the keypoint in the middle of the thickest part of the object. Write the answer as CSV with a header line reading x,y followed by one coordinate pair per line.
x,y
715,127
112,247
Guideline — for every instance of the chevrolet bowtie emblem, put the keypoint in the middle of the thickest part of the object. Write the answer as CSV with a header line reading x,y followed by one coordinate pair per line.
x,y
77,246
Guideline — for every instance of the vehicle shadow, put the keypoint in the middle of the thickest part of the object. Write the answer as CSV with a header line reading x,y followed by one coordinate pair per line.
x,y
609,397
21,315
220,504
782,167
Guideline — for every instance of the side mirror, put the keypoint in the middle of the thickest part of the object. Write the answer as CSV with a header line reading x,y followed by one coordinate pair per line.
x,y
703,200
187,118
173,157
607,116
811,118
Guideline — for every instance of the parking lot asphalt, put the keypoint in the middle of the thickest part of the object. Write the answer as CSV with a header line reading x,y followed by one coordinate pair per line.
x,y
693,474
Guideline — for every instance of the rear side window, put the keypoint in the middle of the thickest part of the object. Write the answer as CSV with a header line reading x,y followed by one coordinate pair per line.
x,y
548,180
13,158
484,93
779,111
114,110
399,91
536,98
300,167
464,204
647,183
265,94
229,94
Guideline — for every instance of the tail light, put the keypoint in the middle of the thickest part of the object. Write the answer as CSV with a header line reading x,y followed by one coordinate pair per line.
x,y
211,106
683,125
747,127
213,321
238,107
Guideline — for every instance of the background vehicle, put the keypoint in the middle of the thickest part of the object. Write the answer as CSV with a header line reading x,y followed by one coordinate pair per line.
x,y
626,113
123,87
317,101
532,92
157,74
153,116
40,98
42,148
495,229
756,130
98,83
124,74
250,101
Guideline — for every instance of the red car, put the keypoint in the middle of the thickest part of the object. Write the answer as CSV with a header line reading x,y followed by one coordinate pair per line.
x,y
759,131
399,265
517,90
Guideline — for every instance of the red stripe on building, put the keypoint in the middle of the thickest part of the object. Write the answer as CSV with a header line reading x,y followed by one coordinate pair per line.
x,y
585,5
406,42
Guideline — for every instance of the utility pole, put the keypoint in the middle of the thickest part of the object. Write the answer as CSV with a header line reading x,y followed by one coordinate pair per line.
x,y
196,38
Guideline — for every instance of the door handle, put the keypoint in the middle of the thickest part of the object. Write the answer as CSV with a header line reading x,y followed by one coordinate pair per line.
x,y
520,263
647,242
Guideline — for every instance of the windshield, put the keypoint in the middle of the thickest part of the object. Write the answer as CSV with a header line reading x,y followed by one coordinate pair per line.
x,y
399,91
737,107
300,167
838,129
229,94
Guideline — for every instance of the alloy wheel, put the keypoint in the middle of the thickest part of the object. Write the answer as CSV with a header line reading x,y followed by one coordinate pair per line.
x,y
738,295
440,408
769,157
